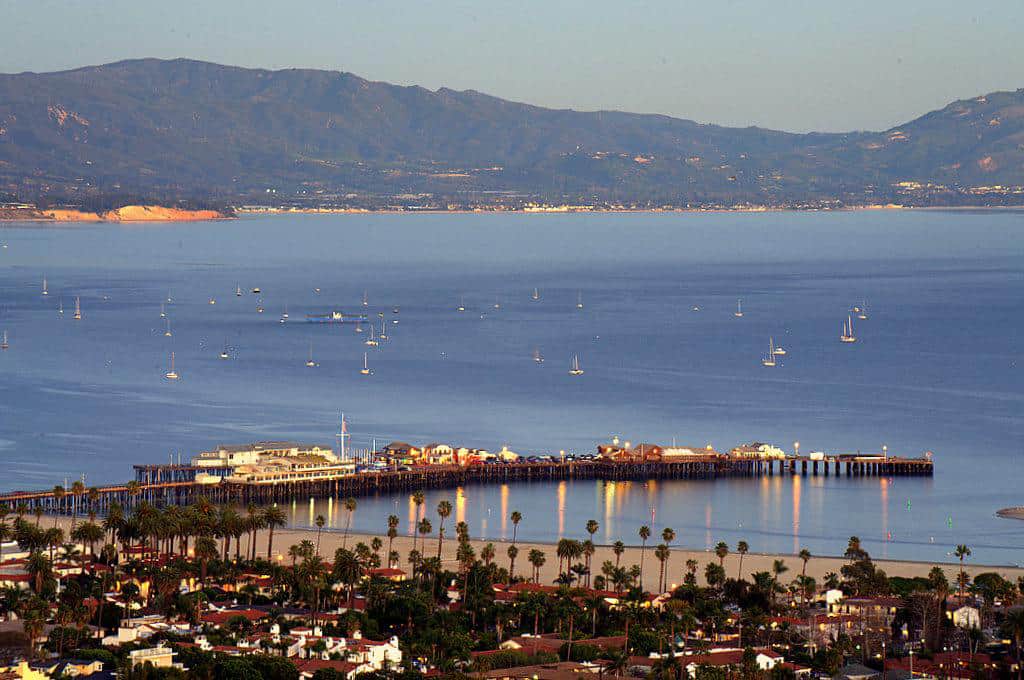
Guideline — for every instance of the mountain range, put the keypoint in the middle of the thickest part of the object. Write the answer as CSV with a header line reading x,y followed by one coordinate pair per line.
x,y
182,129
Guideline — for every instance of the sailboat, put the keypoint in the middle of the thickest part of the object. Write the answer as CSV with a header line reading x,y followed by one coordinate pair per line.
x,y
4,344
383,335
224,352
78,309
359,327
167,324
259,306
778,351
579,299
172,374
574,367
862,311
60,306
366,370
538,358
371,341
366,301
769,359
848,335
238,291
45,291
462,304
536,295
163,311
739,309
284,315
309,362
695,308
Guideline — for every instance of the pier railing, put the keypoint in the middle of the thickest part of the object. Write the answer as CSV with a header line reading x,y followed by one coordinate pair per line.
x,y
176,490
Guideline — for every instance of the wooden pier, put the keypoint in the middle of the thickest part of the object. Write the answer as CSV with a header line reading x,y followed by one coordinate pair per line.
x,y
173,484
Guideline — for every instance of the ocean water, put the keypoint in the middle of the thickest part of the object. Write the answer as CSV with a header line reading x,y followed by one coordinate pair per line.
x,y
937,366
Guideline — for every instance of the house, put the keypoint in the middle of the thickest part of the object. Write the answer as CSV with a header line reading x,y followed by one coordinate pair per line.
x,y
727,659
856,671
561,670
159,657
947,665
966,617
553,643
438,454
878,612
387,573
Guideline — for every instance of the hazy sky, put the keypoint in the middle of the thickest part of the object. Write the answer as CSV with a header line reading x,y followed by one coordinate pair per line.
x,y
788,64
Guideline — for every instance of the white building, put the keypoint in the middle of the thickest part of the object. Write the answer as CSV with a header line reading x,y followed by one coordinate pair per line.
x,y
967,617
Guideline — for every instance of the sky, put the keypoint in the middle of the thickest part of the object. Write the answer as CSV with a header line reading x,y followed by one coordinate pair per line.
x,y
799,65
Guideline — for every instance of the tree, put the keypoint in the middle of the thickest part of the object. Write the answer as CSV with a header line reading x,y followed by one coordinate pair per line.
x,y
513,552
418,499
618,547
742,548
537,559
320,522
962,552
444,511
721,551
392,533
516,518
273,517
1013,628
805,557
662,553
645,533
350,509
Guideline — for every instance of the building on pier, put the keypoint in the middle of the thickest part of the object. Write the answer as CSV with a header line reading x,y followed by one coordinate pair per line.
x,y
226,456
289,469
758,450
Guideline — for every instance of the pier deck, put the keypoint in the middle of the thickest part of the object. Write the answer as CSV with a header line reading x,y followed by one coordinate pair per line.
x,y
169,484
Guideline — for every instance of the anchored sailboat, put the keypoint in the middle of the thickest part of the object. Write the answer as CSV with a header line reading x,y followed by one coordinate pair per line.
x,y
238,291
383,335
309,362
536,295
371,341
579,299
60,306
769,359
739,309
366,370
4,344
224,352
862,311
167,326
538,358
45,291
78,309
462,303
574,367
172,374
848,335
366,301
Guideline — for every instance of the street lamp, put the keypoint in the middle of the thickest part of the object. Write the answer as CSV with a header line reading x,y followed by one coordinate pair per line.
x,y
796,449
885,452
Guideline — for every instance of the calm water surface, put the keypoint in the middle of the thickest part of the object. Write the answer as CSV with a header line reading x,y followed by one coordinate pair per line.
x,y
937,365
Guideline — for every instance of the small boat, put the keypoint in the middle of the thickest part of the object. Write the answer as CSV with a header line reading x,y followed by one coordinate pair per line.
x,y
285,315
862,311
167,328
497,304
309,362
579,299
462,304
366,370
256,290
213,301
224,352
60,307
163,311
316,290
238,291
45,291
536,295
169,298
739,309
848,336
78,309
695,308
394,310
172,374
4,344
366,301
574,367
538,358
769,359
371,341
778,351
383,335
259,306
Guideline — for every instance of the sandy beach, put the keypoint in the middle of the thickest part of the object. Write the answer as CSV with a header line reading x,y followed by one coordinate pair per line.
x,y
818,566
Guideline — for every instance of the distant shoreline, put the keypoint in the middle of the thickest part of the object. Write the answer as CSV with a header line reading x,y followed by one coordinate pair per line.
x,y
616,211
127,213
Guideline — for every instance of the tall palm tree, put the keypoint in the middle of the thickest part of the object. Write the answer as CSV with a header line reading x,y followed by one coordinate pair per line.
x,y
273,518
537,559
58,497
418,499
516,518
721,551
444,511
513,552
962,552
742,548
805,557
662,553
618,547
77,490
350,507
320,522
1013,628
423,529
645,533
668,535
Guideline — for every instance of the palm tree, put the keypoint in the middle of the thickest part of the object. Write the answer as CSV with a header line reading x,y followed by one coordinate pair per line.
x,y
77,490
662,553
537,559
320,522
618,547
962,552
778,569
206,550
444,511
423,528
350,507
742,548
392,533
805,557
721,551
513,552
487,554
1013,628
645,533
516,518
418,499
668,535
58,496
273,517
